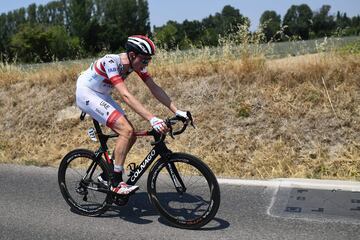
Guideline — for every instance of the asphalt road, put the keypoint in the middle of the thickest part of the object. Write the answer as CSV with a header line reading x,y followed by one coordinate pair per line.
x,y
32,207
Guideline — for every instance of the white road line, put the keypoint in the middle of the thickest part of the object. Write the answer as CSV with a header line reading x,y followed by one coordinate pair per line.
x,y
296,182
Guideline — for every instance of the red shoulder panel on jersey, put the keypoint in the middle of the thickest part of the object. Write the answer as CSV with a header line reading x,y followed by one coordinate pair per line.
x,y
116,80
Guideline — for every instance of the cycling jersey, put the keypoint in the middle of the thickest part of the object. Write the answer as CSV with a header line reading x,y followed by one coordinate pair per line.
x,y
94,86
106,72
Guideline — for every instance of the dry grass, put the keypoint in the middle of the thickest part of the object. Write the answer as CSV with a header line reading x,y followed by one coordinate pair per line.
x,y
255,118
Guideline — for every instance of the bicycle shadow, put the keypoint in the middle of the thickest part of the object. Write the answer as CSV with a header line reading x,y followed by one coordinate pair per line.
x,y
139,207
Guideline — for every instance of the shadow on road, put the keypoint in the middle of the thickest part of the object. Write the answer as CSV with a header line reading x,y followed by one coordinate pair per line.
x,y
139,207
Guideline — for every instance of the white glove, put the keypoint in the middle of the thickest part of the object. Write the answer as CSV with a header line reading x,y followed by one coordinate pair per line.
x,y
158,124
181,114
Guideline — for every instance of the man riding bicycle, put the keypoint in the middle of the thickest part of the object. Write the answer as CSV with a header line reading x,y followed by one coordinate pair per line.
x,y
93,91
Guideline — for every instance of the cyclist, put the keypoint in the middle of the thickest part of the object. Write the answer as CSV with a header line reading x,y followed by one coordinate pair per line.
x,y
93,91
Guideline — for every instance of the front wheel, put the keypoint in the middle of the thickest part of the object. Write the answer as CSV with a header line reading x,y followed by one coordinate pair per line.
x,y
184,190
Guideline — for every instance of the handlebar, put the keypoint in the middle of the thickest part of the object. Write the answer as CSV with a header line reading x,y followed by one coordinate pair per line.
x,y
158,136
169,123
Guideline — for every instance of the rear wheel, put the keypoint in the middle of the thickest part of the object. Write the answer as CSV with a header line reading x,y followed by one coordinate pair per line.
x,y
184,190
77,177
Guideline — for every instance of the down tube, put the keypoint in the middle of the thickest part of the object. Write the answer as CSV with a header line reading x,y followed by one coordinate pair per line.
x,y
140,169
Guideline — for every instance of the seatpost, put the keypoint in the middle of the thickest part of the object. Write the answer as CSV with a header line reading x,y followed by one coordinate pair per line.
x,y
102,138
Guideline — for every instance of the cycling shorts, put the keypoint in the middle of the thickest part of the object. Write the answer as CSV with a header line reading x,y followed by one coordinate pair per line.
x,y
99,106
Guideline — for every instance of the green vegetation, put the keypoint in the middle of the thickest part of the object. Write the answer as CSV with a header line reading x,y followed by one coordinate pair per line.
x,y
262,110
352,48
76,29
255,117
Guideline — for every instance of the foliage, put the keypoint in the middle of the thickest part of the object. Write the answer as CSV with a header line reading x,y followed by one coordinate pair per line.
x,y
298,21
352,48
323,23
271,22
38,43
33,34
199,33
90,27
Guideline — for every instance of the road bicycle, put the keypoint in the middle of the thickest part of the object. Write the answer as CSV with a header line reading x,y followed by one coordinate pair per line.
x,y
182,188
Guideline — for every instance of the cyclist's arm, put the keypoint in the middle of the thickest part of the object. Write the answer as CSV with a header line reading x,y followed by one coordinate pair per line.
x,y
160,94
130,100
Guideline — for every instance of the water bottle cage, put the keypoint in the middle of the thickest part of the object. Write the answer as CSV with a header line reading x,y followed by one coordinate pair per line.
x,y
131,167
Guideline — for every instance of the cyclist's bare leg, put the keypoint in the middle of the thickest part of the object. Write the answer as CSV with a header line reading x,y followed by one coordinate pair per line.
x,y
132,139
125,140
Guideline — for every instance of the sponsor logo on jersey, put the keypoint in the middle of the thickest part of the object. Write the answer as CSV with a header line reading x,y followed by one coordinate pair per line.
x,y
99,112
105,105
112,70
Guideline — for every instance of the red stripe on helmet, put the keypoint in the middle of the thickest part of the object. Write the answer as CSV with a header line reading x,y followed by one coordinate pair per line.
x,y
148,40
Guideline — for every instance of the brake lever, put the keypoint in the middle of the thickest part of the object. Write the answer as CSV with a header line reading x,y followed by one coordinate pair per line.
x,y
191,119
171,131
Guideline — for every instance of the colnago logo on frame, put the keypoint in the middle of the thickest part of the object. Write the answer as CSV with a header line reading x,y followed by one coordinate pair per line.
x,y
143,165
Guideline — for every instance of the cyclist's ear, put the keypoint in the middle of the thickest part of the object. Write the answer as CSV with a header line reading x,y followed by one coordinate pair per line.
x,y
132,55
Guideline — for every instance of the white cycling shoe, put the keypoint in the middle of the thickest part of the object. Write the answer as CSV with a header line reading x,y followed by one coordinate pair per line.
x,y
124,189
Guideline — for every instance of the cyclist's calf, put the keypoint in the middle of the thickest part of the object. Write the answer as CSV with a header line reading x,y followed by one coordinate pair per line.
x,y
125,140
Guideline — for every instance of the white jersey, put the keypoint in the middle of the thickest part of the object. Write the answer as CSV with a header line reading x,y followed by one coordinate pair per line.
x,y
105,73
94,86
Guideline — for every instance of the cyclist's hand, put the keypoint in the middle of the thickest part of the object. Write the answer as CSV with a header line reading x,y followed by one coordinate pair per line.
x,y
158,124
183,114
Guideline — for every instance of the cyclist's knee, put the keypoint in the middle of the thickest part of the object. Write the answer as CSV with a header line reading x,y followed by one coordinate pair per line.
x,y
124,128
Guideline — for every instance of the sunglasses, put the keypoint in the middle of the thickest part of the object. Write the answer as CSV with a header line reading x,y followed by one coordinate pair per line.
x,y
146,61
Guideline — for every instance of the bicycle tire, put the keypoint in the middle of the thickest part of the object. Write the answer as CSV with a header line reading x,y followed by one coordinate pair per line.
x,y
69,176
189,168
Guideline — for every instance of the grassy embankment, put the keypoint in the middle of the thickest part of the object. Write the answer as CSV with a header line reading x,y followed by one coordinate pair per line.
x,y
256,118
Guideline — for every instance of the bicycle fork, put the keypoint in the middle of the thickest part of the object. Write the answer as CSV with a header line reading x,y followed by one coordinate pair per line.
x,y
176,178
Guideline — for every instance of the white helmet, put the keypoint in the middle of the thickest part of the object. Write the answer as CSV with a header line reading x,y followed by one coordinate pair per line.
x,y
140,44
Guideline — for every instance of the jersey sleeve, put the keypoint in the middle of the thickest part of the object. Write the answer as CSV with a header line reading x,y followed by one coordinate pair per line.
x,y
112,71
143,74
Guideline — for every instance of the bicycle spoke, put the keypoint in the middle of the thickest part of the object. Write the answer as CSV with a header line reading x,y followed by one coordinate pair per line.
x,y
80,180
190,204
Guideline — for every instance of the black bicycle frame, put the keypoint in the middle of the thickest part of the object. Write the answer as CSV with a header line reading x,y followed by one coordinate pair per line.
x,y
138,171
135,173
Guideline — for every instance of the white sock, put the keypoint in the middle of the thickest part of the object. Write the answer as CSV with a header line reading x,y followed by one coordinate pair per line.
x,y
118,168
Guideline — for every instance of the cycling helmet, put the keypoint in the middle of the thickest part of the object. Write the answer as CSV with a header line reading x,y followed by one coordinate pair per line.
x,y
140,44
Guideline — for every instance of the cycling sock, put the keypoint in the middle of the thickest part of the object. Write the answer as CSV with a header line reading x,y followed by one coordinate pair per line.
x,y
118,168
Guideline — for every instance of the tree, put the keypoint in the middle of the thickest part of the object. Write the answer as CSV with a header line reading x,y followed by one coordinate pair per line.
x,y
200,33
343,25
80,23
39,43
323,23
355,24
3,34
31,13
165,36
228,20
143,17
193,32
123,18
271,23
55,12
298,21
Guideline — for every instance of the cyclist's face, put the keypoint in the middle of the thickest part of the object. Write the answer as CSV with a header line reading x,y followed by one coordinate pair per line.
x,y
140,61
